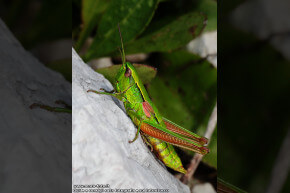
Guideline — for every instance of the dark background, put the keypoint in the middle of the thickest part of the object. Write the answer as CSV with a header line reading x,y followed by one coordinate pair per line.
x,y
44,28
253,103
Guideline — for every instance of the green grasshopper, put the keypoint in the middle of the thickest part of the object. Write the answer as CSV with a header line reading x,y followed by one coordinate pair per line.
x,y
158,132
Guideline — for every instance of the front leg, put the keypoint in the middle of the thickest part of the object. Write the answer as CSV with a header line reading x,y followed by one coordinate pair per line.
x,y
105,91
133,113
137,133
111,93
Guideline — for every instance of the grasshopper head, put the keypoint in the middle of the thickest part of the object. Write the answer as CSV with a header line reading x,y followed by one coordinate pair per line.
x,y
124,78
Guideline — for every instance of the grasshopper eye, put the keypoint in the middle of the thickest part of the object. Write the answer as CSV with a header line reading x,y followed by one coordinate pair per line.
x,y
128,72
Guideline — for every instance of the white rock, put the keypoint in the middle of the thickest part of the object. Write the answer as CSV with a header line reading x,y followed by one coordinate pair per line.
x,y
101,63
203,188
101,131
205,46
35,144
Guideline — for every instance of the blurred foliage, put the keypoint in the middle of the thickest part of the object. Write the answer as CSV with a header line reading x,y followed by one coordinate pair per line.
x,y
169,37
173,25
91,14
37,22
186,84
132,16
253,115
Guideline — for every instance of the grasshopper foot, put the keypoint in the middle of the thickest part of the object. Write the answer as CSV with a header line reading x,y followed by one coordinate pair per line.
x,y
104,91
93,91
131,141
136,136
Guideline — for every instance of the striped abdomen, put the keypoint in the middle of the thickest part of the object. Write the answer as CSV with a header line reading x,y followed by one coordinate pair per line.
x,y
166,154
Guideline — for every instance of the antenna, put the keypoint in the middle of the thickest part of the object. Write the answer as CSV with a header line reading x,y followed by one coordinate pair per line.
x,y
123,51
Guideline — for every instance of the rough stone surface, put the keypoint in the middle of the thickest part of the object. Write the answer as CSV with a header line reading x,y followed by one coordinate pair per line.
x,y
101,131
35,144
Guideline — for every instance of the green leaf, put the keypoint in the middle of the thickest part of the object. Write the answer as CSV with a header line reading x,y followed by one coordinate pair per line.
x,y
92,8
171,36
146,73
132,15
209,7
91,13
